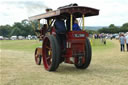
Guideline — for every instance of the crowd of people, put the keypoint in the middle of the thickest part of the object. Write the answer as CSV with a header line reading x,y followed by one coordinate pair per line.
x,y
123,40
101,37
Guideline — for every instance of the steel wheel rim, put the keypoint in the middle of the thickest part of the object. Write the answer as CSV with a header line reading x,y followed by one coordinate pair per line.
x,y
36,57
47,54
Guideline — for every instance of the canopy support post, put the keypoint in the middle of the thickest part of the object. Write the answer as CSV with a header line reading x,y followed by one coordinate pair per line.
x,y
33,26
71,22
39,23
83,22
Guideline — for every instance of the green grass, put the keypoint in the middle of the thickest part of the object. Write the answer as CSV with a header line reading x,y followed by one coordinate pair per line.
x,y
108,66
30,45
97,45
19,45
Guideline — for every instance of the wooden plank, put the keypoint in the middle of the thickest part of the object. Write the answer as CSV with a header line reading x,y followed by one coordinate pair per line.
x,y
70,10
45,15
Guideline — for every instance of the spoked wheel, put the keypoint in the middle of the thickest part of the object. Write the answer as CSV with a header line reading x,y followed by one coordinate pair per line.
x,y
51,53
87,57
37,57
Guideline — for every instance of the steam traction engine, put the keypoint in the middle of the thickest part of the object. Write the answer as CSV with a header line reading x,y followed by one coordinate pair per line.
x,y
78,48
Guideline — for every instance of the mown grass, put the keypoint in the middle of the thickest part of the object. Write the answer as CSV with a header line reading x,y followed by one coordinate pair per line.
x,y
20,45
98,45
30,45
108,66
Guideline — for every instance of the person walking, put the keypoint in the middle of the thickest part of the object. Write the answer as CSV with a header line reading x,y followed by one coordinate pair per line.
x,y
122,42
126,37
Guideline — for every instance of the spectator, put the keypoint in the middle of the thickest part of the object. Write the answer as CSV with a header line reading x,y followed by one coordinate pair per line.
x,y
127,41
122,42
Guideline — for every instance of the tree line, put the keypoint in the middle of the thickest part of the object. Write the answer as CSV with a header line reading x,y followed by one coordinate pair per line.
x,y
114,29
24,28
111,29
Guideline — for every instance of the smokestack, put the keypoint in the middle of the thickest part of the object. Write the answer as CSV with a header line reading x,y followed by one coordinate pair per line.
x,y
48,10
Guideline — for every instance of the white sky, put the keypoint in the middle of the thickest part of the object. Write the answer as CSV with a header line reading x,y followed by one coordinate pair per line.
x,y
111,11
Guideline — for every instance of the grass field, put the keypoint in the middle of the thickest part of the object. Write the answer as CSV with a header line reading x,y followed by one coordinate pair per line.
x,y
109,66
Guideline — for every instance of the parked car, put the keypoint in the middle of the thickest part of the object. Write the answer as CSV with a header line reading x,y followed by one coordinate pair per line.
x,y
1,37
33,37
6,38
13,37
117,37
28,37
21,37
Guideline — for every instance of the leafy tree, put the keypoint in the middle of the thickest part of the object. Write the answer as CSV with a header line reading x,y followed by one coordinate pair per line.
x,y
15,31
24,28
124,28
5,30
103,30
114,29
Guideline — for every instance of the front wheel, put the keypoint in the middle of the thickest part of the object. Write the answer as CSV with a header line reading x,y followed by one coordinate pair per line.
x,y
87,57
38,56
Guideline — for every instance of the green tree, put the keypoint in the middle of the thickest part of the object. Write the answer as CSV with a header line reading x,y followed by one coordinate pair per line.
x,y
124,28
103,30
5,30
15,31
113,29
28,29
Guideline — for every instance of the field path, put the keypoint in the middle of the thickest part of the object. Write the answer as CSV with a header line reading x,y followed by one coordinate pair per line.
x,y
108,67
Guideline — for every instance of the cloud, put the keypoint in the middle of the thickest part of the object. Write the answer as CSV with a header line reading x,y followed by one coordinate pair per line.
x,y
111,11
22,4
30,6
14,11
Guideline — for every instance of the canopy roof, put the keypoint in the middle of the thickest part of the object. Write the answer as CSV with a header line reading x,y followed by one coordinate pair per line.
x,y
65,12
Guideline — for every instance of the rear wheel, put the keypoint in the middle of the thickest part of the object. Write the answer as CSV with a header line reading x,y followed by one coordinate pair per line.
x,y
87,57
51,53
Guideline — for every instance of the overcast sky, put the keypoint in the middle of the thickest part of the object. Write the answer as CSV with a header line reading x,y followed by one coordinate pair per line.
x,y
111,11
